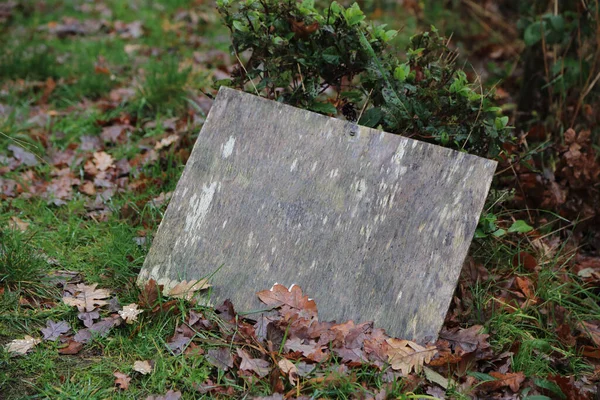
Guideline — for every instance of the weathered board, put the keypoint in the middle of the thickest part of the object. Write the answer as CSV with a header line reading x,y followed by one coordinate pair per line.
x,y
373,226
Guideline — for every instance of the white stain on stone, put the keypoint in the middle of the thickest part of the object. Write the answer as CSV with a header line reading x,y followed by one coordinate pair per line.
x,y
325,220
228,147
334,173
361,186
314,166
224,223
294,165
399,297
400,150
199,206
250,242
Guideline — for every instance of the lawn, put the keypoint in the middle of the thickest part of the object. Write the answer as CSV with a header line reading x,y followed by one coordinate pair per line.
x,y
100,105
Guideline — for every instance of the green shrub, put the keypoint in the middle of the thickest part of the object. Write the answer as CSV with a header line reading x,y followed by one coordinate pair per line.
x,y
333,62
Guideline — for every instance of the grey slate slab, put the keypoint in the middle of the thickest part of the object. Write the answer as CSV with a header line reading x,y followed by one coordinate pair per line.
x,y
373,226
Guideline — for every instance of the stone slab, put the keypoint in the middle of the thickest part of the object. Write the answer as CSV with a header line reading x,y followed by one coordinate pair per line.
x,y
373,226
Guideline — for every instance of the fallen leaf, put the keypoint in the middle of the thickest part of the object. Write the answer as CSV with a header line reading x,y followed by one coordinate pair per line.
x,y
290,300
73,347
130,312
289,369
122,380
18,224
22,346
404,355
143,367
592,330
100,328
259,366
103,160
466,340
115,133
511,379
23,156
187,289
149,294
54,329
170,395
178,343
86,298
220,358
88,317
88,188
166,142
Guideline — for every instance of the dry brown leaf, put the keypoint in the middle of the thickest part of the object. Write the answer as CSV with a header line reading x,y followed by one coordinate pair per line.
x,y
88,188
73,347
130,312
404,355
259,366
103,160
22,346
511,379
291,301
86,297
121,380
166,142
187,289
143,367
18,224
289,369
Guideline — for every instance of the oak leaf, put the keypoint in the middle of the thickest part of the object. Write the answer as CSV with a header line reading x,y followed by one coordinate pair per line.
x,y
130,312
86,297
291,301
220,358
103,160
22,346
510,379
288,368
404,355
466,340
54,329
259,366
121,380
187,289
143,367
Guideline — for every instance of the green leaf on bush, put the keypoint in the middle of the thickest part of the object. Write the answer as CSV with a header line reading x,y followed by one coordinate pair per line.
x,y
501,122
354,15
519,226
331,56
533,33
323,108
239,26
401,72
371,117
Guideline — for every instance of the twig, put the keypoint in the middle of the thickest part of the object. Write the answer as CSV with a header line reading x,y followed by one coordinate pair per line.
x,y
246,71
364,106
